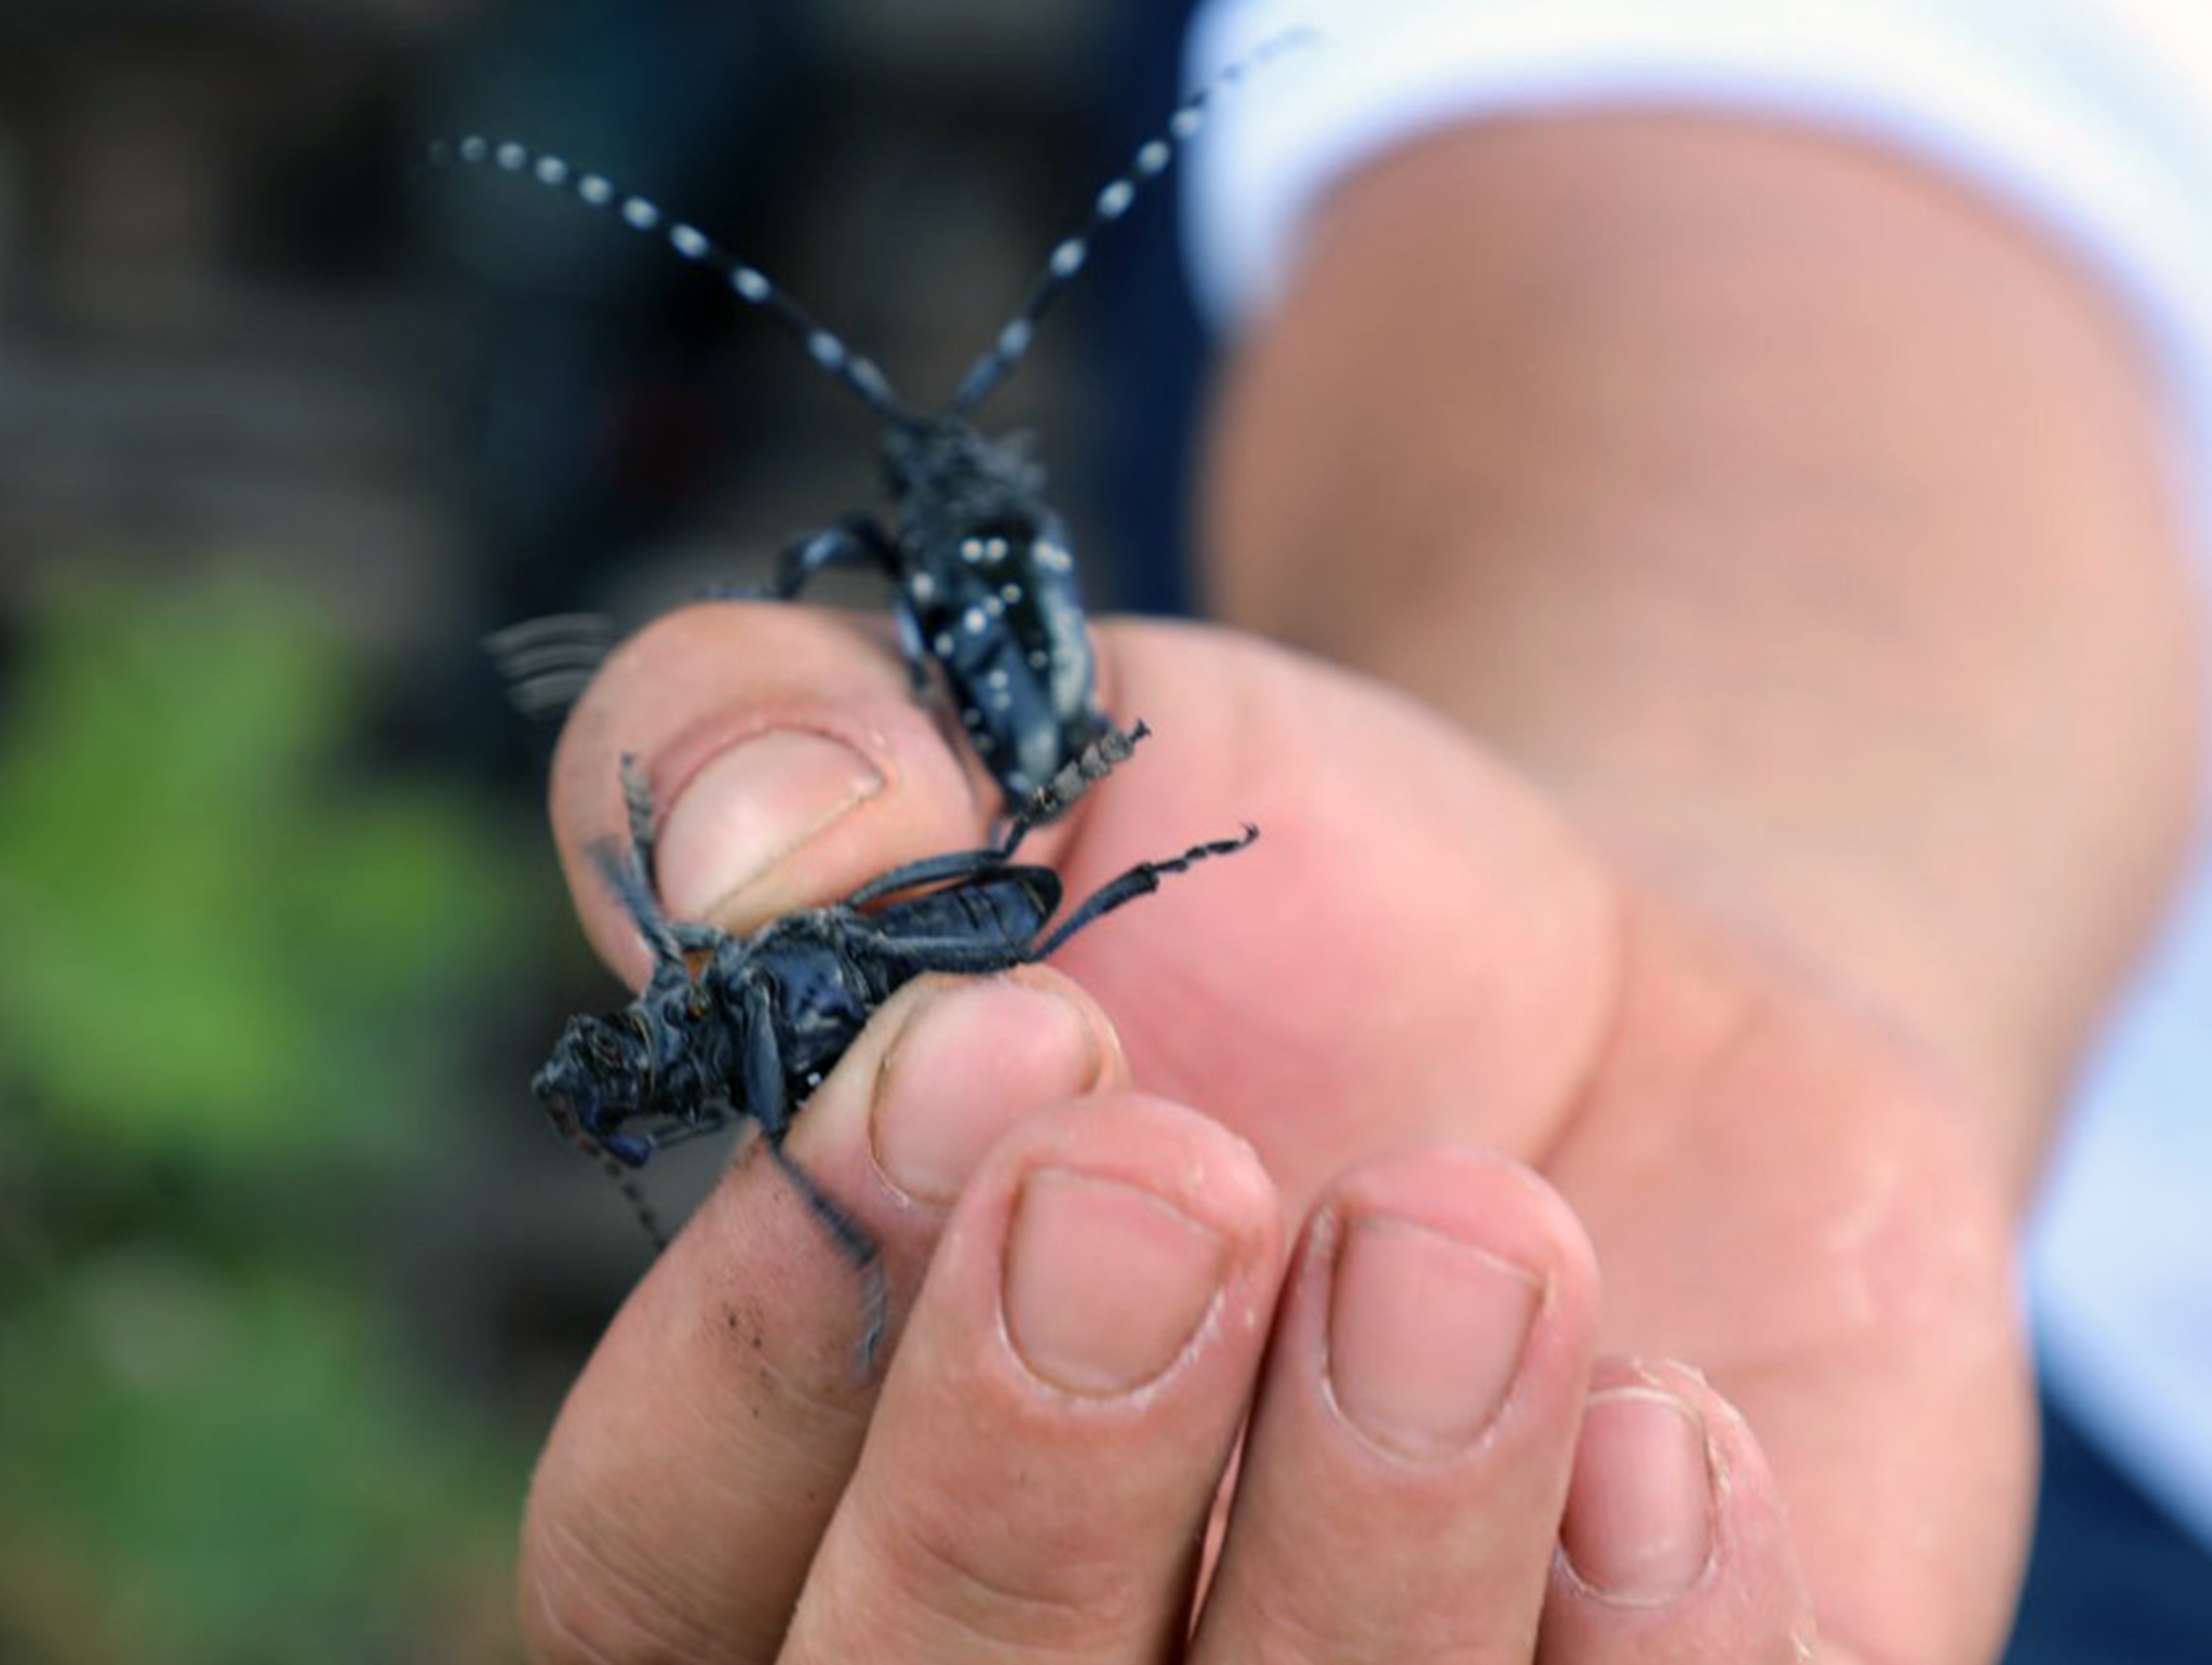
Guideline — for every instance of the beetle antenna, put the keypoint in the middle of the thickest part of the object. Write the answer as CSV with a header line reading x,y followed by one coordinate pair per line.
x,y
634,1195
858,375
623,1181
1069,256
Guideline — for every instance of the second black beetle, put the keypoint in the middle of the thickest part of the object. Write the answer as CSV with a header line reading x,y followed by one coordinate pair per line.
x,y
980,566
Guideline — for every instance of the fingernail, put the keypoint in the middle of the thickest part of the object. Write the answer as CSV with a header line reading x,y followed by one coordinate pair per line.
x,y
969,1062
1638,1529
1105,1283
1425,1334
749,808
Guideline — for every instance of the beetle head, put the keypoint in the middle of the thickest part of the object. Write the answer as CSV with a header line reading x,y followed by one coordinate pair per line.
x,y
945,462
599,1075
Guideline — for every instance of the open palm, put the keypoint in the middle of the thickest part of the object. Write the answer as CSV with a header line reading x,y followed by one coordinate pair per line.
x,y
1424,981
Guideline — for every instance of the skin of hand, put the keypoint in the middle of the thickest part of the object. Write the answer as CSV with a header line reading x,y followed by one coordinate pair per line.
x,y
1691,1013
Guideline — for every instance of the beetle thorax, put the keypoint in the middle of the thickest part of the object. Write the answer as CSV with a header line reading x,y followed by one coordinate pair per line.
x,y
949,477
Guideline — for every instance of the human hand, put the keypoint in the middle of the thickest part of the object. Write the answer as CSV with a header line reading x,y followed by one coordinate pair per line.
x,y
1421,979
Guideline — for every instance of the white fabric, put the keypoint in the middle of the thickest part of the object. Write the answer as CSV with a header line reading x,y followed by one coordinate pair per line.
x,y
2090,118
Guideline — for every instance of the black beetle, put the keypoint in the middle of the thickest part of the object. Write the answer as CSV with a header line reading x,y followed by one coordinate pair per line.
x,y
744,1028
980,566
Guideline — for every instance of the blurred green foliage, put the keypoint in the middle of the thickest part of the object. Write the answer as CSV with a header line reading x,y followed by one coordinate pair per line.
x,y
219,946
237,1468
239,980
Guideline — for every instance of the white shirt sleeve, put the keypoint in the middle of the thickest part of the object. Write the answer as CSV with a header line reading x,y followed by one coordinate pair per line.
x,y
2092,118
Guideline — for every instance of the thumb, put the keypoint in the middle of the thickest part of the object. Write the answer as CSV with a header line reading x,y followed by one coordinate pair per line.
x,y
787,761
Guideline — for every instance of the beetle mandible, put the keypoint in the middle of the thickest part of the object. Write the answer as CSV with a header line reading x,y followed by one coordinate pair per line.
x,y
732,1028
980,566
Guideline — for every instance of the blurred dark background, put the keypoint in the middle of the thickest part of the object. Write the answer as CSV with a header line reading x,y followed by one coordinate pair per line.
x,y
292,1272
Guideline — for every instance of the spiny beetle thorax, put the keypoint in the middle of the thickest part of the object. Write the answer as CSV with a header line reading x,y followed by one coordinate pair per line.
x,y
944,470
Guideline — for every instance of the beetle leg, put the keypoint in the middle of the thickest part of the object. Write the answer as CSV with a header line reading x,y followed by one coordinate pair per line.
x,y
1140,880
621,877
858,1247
930,870
680,936
760,1061
763,1063
912,648
1058,795
858,540
637,808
